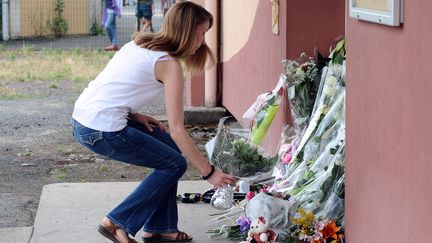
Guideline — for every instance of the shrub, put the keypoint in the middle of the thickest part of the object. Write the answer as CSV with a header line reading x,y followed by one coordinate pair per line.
x,y
60,25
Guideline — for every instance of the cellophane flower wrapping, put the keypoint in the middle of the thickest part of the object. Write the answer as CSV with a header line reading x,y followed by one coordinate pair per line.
x,y
232,152
314,152
303,78
314,178
261,113
275,210
287,148
230,224
223,198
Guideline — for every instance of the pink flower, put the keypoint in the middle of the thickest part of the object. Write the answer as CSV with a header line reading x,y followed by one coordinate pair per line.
x,y
286,159
286,152
250,195
264,189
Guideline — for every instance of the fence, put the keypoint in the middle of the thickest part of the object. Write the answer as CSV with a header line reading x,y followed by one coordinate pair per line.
x,y
31,23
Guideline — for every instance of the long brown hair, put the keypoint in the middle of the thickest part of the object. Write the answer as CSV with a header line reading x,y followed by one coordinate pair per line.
x,y
177,35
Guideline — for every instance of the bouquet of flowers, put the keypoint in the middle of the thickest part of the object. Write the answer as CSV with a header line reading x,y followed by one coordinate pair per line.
x,y
232,152
263,111
316,153
287,148
237,220
310,174
303,76
314,178
307,227
231,224
327,116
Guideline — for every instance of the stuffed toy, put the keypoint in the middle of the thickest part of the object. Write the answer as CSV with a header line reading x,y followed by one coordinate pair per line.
x,y
260,233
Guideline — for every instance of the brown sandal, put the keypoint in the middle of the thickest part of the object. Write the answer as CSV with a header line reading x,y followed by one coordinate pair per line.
x,y
181,237
110,232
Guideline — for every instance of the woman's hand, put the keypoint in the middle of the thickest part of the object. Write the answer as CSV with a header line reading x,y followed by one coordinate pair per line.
x,y
147,121
220,179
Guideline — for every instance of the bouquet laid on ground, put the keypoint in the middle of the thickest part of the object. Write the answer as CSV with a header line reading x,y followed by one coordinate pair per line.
x,y
236,222
306,201
262,112
287,148
303,78
232,152
307,227
326,125
314,178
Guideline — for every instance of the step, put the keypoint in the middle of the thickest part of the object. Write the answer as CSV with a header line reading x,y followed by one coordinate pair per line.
x,y
71,212
16,235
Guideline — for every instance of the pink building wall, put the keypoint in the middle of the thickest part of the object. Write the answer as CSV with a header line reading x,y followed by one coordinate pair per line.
x,y
194,90
388,162
194,85
256,67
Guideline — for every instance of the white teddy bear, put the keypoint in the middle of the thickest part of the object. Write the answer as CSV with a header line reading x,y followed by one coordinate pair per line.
x,y
259,232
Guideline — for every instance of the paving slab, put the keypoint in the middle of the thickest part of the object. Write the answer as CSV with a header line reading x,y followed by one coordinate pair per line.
x,y
71,212
15,235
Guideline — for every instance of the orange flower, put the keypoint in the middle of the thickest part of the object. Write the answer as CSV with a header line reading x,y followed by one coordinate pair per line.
x,y
330,231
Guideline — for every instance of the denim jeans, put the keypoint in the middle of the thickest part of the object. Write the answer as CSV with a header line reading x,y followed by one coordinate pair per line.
x,y
111,28
152,205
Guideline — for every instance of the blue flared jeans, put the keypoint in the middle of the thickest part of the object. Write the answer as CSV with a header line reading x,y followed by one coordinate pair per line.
x,y
152,205
111,28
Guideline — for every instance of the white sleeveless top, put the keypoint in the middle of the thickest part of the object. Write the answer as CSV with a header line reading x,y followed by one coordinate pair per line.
x,y
126,84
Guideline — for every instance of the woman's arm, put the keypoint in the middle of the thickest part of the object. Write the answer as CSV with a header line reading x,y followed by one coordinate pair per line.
x,y
170,73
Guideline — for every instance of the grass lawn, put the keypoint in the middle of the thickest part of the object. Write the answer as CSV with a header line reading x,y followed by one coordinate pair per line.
x,y
50,66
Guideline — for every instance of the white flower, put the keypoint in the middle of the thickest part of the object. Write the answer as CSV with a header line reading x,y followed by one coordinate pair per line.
x,y
319,225
331,81
317,235
301,235
299,76
308,238
330,91
337,68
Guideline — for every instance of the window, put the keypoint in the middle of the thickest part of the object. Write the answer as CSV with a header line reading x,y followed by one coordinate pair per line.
x,y
387,12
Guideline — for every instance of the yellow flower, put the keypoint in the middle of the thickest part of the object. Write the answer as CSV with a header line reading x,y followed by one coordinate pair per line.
x,y
305,219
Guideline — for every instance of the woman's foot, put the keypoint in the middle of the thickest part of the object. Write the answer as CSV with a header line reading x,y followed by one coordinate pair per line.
x,y
111,231
178,236
112,48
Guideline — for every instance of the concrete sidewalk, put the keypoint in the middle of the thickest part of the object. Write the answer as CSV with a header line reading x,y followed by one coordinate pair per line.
x,y
71,212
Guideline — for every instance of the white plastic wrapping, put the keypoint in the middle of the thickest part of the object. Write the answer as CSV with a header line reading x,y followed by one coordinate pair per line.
x,y
223,198
277,211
